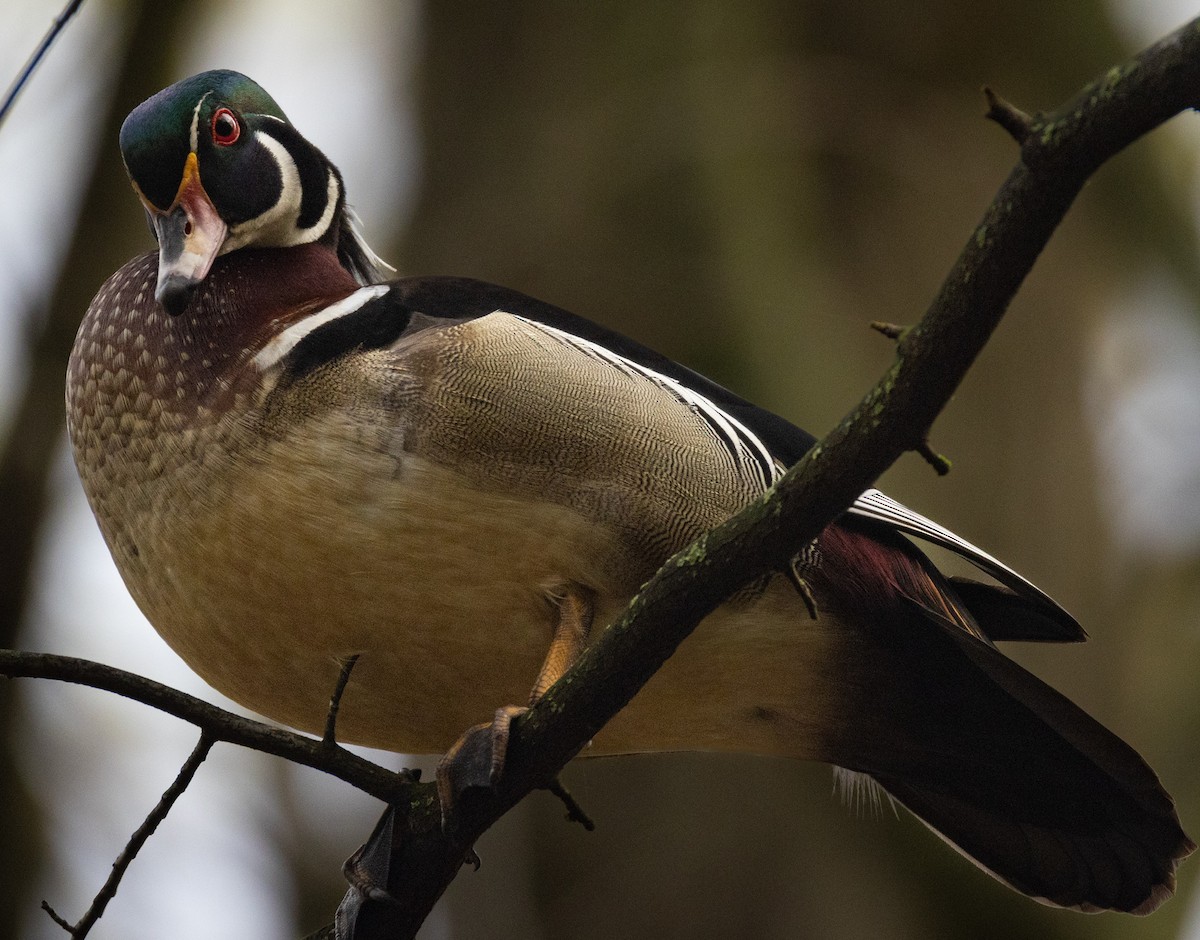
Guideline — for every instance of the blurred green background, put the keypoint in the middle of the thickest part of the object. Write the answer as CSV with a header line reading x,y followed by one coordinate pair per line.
x,y
744,186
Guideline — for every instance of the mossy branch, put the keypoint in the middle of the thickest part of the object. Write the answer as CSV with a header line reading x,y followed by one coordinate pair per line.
x,y
1059,151
1062,149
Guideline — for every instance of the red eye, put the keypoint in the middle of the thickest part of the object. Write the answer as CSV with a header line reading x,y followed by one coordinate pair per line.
x,y
225,127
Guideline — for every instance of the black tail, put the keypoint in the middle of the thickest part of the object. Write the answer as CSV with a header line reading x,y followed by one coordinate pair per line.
x,y
1034,790
1004,768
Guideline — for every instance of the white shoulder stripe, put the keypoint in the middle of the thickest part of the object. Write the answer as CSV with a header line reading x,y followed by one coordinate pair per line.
x,y
742,443
285,342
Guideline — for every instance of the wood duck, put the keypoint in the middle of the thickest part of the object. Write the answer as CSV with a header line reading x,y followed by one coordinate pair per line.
x,y
294,460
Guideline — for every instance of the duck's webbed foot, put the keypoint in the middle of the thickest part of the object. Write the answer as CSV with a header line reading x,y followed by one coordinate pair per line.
x,y
477,758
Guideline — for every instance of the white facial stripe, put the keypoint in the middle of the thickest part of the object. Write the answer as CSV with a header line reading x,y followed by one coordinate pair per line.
x,y
287,209
278,226
315,231
194,135
274,227
285,342
738,437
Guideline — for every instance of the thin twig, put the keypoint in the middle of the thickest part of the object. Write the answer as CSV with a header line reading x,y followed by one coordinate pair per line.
x,y
792,570
1018,124
890,330
219,724
58,918
940,463
329,738
1063,149
575,812
56,28
136,841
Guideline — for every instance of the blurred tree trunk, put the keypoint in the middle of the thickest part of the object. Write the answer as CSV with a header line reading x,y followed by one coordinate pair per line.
x,y
96,250
744,187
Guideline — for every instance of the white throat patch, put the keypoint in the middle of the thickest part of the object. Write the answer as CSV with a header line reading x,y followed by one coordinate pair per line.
x,y
278,226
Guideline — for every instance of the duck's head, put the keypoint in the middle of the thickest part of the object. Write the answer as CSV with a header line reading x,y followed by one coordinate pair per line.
x,y
219,167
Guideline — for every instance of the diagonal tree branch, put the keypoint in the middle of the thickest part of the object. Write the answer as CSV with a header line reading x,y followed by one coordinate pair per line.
x,y
93,914
1059,152
35,58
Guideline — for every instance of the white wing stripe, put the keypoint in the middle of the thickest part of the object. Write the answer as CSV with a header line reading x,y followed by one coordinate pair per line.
x,y
746,446
739,439
882,508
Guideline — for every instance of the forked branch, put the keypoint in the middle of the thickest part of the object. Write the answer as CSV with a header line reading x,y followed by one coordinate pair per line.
x,y
1059,151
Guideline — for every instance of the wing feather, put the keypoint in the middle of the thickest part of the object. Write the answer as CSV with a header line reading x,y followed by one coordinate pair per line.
x,y
761,443
881,508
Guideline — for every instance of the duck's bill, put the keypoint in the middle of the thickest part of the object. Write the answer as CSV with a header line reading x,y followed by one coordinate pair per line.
x,y
190,235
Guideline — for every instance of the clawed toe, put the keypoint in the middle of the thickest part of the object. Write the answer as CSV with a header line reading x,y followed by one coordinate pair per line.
x,y
476,759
